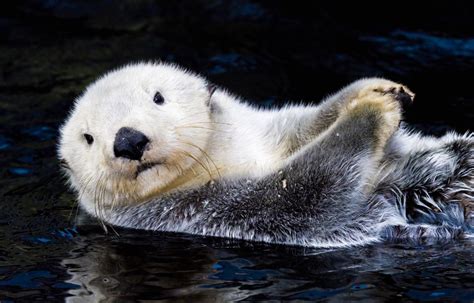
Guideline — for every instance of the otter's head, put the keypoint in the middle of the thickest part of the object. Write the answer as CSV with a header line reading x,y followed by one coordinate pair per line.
x,y
134,132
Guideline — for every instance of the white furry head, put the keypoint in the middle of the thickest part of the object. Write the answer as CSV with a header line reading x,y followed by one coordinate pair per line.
x,y
178,131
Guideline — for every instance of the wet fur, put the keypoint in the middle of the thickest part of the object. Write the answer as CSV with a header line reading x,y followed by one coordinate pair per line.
x,y
343,174
318,199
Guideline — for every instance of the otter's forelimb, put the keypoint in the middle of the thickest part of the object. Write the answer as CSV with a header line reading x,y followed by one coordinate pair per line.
x,y
310,122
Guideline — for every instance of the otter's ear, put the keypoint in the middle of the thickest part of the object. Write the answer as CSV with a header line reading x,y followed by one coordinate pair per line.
x,y
211,88
212,105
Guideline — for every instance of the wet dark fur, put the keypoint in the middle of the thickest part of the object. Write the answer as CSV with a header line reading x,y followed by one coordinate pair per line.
x,y
342,187
435,197
320,199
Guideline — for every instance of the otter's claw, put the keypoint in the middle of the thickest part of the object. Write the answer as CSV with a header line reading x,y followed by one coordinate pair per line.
x,y
400,93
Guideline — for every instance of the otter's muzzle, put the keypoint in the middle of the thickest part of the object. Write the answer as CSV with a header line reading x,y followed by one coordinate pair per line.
x,y
130,143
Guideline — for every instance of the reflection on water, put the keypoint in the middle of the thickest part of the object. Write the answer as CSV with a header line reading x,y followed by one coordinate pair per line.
x,y
269,52
168,266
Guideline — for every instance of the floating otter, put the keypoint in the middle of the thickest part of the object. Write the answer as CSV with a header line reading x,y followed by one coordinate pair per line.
x,y
153,146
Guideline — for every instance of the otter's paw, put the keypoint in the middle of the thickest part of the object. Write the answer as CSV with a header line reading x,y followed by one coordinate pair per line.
x,y
401,93
373,88
382,98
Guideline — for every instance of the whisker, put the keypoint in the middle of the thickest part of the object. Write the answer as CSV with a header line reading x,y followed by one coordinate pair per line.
x,y
197,161
192,115
195,126
207,122
79,198
202,127
96,211
99,189
74,209
206,155
100,203
179,168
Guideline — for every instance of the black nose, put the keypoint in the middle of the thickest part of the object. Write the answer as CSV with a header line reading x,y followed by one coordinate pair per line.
x,y
129,143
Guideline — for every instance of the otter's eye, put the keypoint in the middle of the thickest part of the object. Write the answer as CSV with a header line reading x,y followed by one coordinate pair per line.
x,y
89,138
158,98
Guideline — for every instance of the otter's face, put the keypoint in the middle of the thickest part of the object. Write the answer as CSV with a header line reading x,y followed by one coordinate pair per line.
x,y
135,131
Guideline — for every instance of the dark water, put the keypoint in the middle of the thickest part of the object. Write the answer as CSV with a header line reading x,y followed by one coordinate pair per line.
x,y
269,52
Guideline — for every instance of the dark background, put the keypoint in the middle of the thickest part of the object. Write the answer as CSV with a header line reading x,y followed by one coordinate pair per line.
x,y
269,52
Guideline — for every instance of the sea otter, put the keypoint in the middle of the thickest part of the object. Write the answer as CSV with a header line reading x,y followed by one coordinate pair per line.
x,y
153,146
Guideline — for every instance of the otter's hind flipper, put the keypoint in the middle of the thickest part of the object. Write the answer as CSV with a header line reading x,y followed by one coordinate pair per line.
x,y
432,182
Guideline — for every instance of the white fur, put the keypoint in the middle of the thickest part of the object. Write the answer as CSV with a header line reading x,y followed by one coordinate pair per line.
x,y
231,140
